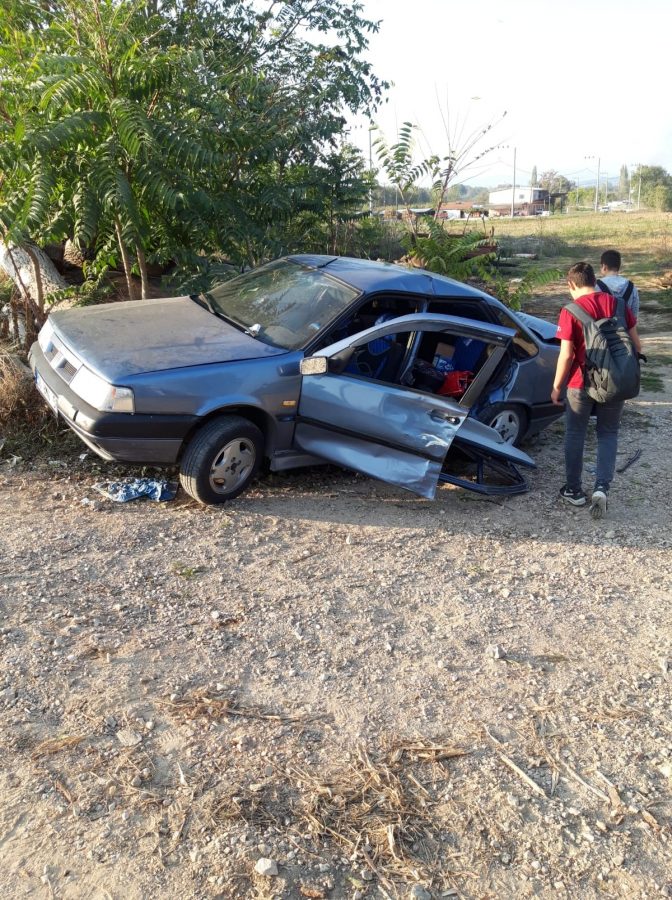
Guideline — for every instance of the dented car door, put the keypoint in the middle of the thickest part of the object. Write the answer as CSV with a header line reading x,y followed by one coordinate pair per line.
x,y
384,429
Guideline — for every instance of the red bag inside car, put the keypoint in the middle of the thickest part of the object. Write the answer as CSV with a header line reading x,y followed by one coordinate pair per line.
x,y
455,383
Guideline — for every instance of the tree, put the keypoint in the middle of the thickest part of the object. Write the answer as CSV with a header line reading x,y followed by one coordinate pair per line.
x,y
656,186
623,183
555,183
398,160
152,132
533,177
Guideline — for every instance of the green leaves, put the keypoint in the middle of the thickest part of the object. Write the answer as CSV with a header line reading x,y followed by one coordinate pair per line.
x,y
180,127
74,89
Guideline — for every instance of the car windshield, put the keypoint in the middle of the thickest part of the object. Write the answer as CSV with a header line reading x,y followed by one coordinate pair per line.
x,y
282,303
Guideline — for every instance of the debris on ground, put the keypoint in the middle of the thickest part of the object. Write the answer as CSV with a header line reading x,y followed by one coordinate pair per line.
x,y
158,489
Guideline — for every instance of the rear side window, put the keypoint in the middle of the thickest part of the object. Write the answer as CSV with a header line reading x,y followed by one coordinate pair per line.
x,y
523,346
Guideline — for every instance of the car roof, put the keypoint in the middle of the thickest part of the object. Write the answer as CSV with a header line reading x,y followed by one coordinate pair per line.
x,y
368,275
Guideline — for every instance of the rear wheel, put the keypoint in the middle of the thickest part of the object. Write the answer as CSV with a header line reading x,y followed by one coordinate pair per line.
x,y
508,419
221,459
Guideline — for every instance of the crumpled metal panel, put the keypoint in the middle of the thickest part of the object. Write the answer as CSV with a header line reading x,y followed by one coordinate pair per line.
x,y
489,442
388,464
423,423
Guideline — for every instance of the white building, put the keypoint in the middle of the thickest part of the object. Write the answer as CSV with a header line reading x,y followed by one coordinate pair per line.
x,y
527,201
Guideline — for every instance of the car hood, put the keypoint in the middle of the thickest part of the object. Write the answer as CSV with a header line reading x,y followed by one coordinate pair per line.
x,y
116,340
541,327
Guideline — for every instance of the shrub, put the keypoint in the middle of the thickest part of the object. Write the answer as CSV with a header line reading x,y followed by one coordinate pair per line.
x,y
25,420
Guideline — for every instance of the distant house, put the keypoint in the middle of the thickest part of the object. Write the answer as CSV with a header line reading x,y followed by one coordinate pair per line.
x,y
527,201
460,209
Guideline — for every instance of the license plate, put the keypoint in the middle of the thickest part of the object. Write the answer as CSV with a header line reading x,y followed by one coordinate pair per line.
x,y
49,395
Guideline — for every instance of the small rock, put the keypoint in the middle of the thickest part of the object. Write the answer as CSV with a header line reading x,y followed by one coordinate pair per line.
x,y
610,534
128,738
418,892
265,866
496,651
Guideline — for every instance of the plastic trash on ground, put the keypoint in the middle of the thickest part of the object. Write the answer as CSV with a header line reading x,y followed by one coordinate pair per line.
x,y
138,488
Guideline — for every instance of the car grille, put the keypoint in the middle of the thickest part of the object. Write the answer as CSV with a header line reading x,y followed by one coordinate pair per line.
x,y
62,360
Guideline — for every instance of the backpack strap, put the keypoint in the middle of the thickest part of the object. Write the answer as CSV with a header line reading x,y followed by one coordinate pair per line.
x,y
620,309
575,310
627,293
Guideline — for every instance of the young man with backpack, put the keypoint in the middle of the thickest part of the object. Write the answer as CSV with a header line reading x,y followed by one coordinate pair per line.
x,y
599,365
612,282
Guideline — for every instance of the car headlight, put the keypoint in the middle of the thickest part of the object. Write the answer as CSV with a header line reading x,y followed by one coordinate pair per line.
x,y
45,335
100,394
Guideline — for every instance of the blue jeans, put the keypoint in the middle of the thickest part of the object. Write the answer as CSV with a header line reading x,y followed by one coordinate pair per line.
x,y
578,408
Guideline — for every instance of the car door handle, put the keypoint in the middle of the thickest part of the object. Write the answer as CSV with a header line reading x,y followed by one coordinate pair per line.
x,y
439,416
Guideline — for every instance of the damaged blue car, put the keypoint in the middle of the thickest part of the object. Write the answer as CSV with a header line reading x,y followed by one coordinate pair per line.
x,y
397,373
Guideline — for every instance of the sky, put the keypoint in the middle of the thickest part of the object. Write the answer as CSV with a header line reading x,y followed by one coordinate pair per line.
x,y
579,81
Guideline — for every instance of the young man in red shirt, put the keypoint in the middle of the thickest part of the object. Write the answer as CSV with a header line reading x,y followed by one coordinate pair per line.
x,y
569,373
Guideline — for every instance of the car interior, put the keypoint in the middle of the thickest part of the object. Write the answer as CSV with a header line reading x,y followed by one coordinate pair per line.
x,y
432,362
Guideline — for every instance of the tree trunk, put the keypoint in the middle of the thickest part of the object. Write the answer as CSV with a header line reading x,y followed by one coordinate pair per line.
x,y
144,277
126,260
35,278
31,270
73,255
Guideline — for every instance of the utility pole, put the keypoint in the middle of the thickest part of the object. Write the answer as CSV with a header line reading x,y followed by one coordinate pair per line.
x,y
597,184
513,189
606,189
370,172
639,189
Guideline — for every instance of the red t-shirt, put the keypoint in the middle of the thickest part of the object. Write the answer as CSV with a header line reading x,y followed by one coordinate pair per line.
x,y
598,306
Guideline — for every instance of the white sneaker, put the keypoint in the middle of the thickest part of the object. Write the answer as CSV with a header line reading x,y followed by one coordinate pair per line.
x,y
598,503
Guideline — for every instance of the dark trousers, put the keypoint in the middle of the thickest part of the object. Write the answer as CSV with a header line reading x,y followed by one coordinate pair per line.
x,y
577,414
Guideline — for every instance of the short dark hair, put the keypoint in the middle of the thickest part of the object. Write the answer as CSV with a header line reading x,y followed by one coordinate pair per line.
x,y
611,259
582,274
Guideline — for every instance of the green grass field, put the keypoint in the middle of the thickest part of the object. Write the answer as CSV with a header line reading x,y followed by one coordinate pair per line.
x,y
644,240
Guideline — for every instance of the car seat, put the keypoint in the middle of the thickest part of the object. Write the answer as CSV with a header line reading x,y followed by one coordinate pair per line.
x,y
380,358
467,354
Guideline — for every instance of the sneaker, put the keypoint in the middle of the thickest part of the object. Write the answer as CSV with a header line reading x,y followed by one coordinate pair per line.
x,y
576,498
598,502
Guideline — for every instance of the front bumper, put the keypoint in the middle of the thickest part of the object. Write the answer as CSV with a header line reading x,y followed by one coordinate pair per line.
x,y
123,437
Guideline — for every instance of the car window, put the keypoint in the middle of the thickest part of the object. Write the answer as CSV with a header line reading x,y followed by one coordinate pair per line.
x,y
523,346
370,311
382,358
433,362
283,303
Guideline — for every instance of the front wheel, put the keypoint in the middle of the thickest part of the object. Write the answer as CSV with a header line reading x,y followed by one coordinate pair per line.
x,y
508,419
221,459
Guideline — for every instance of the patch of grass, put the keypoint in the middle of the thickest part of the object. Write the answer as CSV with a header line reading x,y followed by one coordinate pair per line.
x,y
652,382
660,359
187,571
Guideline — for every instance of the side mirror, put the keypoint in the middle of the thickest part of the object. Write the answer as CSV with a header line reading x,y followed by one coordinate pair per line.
x,y
314,365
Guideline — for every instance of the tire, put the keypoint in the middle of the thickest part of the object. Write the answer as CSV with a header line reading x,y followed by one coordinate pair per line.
x,y
510,420
221,459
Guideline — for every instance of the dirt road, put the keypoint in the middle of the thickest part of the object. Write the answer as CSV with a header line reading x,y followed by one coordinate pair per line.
x,y
306,681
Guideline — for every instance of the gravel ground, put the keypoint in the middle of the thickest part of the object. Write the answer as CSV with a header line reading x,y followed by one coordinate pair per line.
x,y
331,688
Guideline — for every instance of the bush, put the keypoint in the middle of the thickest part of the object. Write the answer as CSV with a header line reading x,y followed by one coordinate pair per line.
x,y
25,421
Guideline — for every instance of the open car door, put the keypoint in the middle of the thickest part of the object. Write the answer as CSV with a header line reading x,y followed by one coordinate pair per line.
x,y
398,433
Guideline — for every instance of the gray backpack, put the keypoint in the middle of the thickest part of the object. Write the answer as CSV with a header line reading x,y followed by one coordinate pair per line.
x,y
611,370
